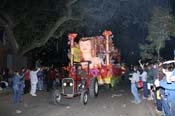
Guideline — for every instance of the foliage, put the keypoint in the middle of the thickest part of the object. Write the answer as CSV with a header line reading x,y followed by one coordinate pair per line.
x,y
160,28
44,24
32,22
172,27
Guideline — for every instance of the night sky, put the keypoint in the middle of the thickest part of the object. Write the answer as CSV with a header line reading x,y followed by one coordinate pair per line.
x,y
127,19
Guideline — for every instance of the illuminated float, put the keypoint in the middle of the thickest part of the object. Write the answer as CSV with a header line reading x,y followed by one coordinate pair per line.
x,y
93,62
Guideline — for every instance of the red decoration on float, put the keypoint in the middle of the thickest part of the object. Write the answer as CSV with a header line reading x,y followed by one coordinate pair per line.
x,y
72,35
107,33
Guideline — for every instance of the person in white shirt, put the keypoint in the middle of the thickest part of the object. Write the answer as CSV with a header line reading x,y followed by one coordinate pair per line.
x,y
34,81
144,77
134,78
144,80
169,70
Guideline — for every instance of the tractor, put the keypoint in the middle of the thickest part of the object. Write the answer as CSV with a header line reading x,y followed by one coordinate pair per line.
x,y
90,66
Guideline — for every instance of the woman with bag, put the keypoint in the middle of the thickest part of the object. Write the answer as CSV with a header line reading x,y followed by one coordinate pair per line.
x,y
144,77
134,78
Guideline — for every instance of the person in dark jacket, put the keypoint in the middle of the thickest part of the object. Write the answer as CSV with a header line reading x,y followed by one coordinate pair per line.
x,y
27,81
16,87
40,76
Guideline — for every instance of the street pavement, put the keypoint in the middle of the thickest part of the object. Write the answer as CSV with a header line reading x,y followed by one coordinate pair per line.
x,y
110,102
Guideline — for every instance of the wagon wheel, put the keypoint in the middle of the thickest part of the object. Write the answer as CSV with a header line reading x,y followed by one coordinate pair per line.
x,y
93,88
84,97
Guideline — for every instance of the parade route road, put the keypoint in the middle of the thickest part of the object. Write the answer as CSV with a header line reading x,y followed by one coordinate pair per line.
x,y
116,102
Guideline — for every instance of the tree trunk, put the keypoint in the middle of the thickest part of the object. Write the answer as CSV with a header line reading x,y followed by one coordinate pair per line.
x,y
11,38
158,55
7,23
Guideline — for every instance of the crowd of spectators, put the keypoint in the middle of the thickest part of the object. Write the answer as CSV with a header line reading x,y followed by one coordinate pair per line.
x,y
158,85
30,80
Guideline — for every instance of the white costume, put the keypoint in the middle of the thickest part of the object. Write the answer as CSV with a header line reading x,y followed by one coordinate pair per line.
x,y
34,81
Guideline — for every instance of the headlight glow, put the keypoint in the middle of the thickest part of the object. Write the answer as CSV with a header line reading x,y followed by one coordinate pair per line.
x,y
71,84
64,84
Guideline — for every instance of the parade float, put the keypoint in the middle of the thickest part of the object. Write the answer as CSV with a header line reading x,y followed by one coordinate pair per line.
x,y
94,61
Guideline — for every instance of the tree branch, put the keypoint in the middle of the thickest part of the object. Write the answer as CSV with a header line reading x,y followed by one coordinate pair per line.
x,y
69,4
21,18
48,35
6,18
3,3
8,24
11,38
51,31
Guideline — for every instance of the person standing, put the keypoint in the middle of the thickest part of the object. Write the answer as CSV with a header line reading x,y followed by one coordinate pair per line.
x,y
155,72
21,84
144,80
51,78
168,96
134,79
150,81
144,76
40,76
16,87
27,81
34,81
